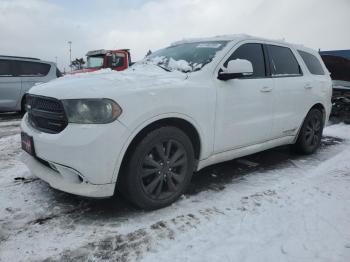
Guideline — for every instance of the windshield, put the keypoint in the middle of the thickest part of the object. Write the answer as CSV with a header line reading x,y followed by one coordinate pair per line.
x,y
186,57
94,61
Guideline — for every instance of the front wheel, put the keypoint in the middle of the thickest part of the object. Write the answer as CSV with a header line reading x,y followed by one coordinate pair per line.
x,y
159,169
310,135
23,106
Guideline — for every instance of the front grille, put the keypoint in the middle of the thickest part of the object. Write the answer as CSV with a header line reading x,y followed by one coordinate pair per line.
x,y
46,114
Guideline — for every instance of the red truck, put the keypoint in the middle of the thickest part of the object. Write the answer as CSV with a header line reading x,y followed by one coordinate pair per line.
x,y
98,59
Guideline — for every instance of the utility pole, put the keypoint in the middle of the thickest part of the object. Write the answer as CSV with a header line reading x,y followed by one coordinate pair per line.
x,y
56,60
70,55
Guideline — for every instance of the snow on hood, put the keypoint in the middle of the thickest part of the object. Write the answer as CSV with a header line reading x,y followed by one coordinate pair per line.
x,y
170,64
106,81
84,70
89,73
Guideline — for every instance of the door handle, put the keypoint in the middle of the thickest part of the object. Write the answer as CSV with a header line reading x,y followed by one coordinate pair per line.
x,y
266,89
308,86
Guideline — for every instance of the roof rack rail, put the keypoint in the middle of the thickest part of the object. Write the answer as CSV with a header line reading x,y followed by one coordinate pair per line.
x,y
20,57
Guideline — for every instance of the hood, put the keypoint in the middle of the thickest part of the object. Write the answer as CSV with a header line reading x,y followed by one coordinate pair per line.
x,y
106,82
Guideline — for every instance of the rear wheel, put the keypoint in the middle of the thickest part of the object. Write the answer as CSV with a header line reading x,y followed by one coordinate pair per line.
x,y
159,169
310,135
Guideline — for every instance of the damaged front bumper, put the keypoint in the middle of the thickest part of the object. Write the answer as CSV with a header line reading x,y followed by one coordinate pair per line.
x,y
65,179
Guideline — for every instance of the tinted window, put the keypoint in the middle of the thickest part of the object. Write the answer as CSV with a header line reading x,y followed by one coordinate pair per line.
x,y
116,60
283,61
5,68
254,54
32,68
312,63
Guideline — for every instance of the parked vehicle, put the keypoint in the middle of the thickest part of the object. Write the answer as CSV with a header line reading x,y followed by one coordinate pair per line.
x,y
18,75
190,105
118,60
338,63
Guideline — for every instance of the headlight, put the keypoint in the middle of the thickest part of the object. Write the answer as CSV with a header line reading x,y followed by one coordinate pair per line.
x,y
91,111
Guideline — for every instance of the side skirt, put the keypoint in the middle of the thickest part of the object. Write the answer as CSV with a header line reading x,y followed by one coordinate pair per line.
x,y
244,151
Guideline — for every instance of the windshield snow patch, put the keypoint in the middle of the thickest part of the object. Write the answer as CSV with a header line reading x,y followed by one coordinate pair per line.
x,y
188,57
170,64
180,65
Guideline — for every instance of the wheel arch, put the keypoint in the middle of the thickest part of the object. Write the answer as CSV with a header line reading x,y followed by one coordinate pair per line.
x,y
184,123
318,106
322,108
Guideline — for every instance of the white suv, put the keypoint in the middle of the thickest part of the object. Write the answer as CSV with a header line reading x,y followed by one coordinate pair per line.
x,y
144,131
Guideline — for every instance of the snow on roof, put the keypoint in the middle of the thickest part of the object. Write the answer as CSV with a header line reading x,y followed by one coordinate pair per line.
x,y
213,38
237,37
232,37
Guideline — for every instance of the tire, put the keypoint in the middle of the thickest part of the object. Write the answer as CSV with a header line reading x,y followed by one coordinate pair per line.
x,y
310,135
23,106
159,169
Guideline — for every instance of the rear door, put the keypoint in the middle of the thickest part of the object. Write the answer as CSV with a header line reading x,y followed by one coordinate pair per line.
x,y
289,86
10,85
319,86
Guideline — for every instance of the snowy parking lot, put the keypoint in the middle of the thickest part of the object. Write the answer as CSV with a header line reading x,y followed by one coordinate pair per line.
x,y
271,206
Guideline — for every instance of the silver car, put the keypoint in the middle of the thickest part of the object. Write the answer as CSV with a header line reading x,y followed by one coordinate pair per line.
x,y
18,75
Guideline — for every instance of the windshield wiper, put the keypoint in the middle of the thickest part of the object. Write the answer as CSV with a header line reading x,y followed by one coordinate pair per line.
x,y
163,67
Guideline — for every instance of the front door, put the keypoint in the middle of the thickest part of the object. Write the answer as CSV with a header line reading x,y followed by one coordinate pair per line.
x,y
244,109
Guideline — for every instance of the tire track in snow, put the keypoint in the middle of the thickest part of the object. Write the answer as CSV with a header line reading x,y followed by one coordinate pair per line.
x,y
133,245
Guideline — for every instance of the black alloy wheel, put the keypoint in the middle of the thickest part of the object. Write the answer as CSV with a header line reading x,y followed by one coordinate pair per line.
x,y
159,169
163,169
313,131
310,135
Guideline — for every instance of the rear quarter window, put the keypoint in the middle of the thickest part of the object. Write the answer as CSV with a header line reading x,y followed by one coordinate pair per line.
x,y
26,68
312,63
6,68
283,62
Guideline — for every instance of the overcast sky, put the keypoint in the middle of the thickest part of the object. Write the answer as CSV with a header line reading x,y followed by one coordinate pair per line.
x,y
41,28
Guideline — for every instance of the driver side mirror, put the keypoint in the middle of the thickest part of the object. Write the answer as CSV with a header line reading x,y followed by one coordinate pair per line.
x,y
235,69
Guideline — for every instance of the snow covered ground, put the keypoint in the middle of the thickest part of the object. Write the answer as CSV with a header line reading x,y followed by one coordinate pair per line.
x,y
272,206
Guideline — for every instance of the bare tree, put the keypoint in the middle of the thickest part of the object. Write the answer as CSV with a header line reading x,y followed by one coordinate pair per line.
x,y
78,63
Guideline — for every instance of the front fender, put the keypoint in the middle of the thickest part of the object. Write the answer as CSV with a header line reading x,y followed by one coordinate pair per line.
x,y
137,128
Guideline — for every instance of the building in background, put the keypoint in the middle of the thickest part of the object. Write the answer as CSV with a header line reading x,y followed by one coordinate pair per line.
x,y
338,64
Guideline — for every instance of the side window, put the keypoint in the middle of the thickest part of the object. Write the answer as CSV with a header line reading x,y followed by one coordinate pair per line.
x,y
6,68
283,61
254,54
32,68
312,63
116,60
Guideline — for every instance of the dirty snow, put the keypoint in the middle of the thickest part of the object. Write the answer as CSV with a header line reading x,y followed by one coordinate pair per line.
x,y
272,206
